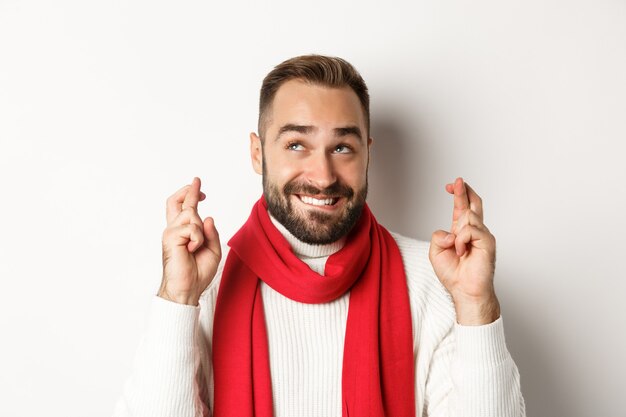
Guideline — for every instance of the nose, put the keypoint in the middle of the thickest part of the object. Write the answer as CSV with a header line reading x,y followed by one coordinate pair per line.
x,y
320,170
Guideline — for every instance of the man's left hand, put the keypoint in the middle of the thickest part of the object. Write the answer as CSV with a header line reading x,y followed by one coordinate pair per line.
x,y
464,258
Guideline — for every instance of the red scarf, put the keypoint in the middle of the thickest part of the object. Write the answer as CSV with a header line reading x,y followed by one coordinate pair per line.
x,y
377,373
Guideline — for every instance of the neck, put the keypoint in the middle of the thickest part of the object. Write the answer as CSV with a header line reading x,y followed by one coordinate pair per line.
x,y
306,250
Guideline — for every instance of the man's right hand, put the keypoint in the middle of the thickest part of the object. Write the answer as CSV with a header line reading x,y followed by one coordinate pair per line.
x,y
191,247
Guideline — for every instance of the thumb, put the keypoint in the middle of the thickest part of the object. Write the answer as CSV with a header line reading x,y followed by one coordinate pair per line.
x,y
440,241
212,238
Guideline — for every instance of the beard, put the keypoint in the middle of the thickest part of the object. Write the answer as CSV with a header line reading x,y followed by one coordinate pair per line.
x,y
314,226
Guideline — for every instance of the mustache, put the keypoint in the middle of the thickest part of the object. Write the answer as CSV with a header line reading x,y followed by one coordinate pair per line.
x,y
336,189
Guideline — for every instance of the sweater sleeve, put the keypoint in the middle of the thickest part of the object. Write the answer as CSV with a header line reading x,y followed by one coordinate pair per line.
x,y
172,373
473,374
163,380
461,371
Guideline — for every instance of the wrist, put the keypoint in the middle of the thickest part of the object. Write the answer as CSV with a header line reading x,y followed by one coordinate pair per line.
x,y
180,298
476,312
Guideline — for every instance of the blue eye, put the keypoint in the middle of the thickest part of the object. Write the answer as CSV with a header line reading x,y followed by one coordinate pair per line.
x,y
343,149
294,146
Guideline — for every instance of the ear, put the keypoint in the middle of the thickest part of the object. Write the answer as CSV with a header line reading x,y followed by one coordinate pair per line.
x,y
369,149
256,153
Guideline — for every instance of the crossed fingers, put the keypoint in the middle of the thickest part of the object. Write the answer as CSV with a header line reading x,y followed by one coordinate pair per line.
x,y
465,198
186,198
467,218
182,214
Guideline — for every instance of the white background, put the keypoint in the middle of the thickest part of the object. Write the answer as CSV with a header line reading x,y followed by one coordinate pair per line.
x,y
107,108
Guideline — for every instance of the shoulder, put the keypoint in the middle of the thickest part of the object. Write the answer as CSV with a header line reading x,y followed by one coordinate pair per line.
x,y
428,297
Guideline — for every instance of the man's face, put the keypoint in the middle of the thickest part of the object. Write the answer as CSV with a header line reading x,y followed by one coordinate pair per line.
x,y
314,160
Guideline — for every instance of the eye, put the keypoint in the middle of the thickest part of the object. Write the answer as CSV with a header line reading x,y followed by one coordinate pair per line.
x,y
342,149
294,146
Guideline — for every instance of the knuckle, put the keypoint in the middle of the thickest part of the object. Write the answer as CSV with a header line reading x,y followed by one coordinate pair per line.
x,y
185,215
196,219
195,229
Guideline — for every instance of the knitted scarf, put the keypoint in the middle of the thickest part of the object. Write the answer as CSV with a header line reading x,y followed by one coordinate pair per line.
x,y
377,373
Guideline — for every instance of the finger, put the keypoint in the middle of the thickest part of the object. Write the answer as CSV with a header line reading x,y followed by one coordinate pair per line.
x,y
186,216
460,195
468,217
212,237
471,236
475,202
193,196
442,248
189,235
201,198
450,188
173,205
196,238
461,202
441,240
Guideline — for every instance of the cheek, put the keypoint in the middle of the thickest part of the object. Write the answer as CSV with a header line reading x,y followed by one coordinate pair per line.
x,y
281,170
353,172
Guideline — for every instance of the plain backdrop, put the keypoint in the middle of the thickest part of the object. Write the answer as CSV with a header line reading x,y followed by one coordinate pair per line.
x,y
109,107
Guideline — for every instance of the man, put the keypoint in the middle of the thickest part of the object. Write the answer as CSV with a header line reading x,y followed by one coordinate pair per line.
x,y
316,309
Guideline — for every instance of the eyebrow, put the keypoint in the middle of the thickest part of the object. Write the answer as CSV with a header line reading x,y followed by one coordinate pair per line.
x,y
290,127
349,130
306,129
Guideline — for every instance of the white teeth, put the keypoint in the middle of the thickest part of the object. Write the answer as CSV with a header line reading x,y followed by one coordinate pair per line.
x,y
317,202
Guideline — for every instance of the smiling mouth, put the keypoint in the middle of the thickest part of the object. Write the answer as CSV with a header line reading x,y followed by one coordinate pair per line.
x,y
319,202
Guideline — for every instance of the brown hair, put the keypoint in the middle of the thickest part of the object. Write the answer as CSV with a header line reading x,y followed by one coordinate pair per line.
x,y
321,70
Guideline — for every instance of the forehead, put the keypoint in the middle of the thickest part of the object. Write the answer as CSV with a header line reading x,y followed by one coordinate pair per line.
x,y
299,102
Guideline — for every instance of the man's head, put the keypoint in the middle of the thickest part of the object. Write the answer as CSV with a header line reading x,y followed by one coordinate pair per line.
x,y
325,71
313,148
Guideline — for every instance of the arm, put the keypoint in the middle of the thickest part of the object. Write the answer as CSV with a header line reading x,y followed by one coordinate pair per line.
x,y
170,367
473,374
163,380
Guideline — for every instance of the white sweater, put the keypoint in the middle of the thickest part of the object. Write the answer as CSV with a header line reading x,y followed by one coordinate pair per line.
x,y
459,370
